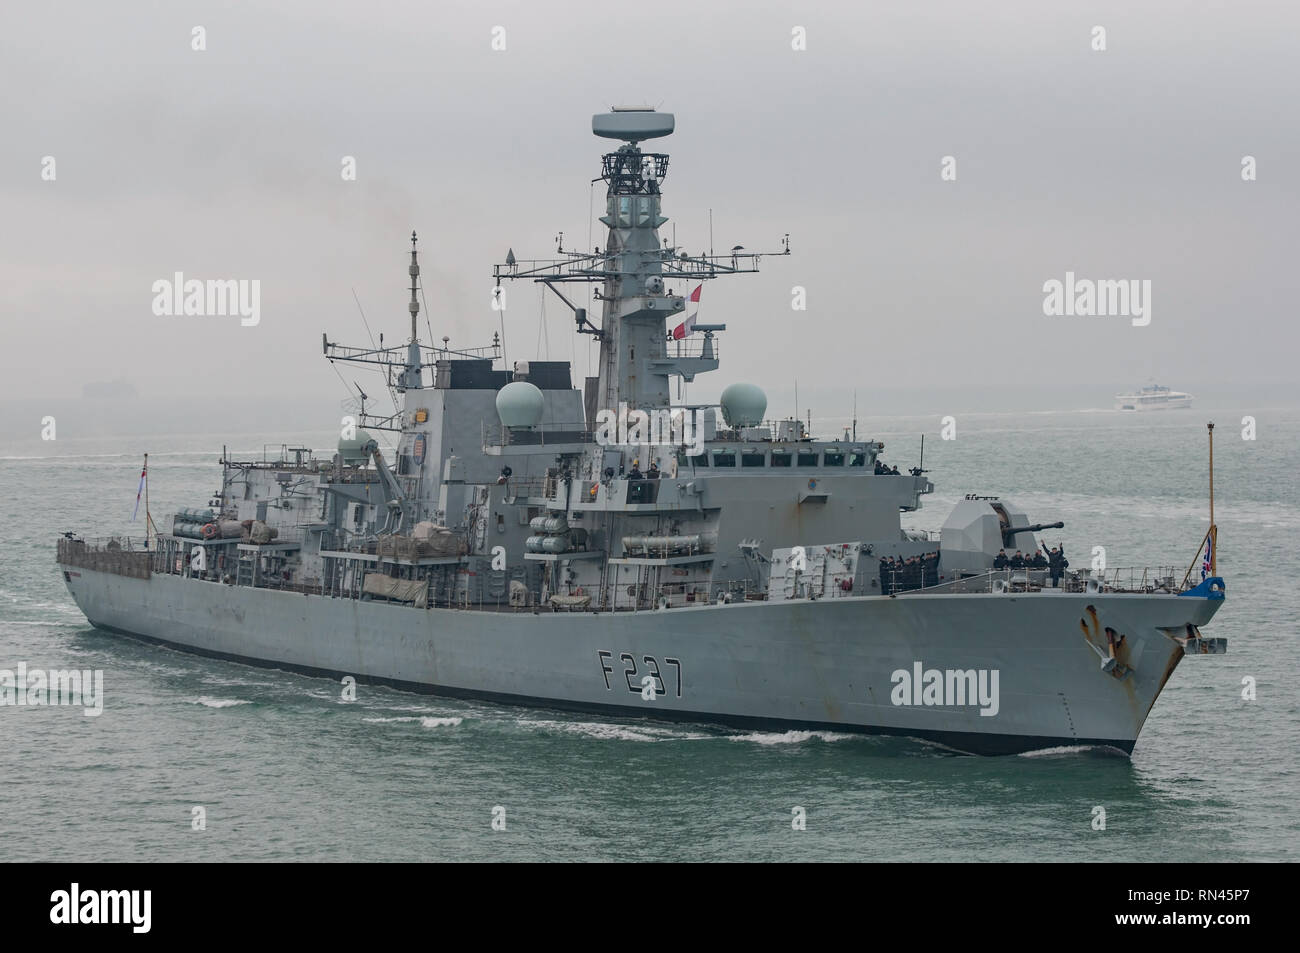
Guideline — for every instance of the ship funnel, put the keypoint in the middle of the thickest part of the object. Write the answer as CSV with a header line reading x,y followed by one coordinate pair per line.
x,y
632,124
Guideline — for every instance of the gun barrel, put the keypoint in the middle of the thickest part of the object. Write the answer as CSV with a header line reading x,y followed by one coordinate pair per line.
x,y
1011,531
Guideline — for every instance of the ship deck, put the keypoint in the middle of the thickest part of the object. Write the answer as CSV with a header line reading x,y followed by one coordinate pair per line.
x,y
134,557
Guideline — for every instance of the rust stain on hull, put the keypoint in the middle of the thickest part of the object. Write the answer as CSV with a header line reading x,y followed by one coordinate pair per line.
x,y
1116,645
1175,657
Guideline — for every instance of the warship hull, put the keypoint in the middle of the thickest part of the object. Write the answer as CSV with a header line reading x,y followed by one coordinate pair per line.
x,y
832,664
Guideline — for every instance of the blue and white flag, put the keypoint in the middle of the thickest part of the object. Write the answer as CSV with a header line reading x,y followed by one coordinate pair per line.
x,y
1209,554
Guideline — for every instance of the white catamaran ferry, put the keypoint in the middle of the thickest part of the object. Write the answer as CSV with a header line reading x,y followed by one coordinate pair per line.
x,y
1153,397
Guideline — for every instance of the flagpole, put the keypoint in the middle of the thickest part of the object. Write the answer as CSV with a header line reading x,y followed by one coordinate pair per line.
x,y
148,520
1211,537
1214,530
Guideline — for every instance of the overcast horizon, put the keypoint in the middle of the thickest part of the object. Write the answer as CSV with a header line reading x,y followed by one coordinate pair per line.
x,y
224,163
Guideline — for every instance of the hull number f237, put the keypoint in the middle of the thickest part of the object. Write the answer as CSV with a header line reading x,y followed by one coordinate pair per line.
x,y
663,681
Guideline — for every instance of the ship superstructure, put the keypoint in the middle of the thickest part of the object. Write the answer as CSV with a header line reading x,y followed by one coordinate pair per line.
x,y
604,548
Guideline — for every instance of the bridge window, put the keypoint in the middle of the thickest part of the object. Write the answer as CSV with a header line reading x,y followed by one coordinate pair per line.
x,y
780,458
858,458
807,458
724,458
684,459
752,458
642,491
833,458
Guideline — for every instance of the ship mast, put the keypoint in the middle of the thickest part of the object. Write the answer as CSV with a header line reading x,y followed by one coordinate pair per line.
x,y
411,376
635,305
635,364
407,363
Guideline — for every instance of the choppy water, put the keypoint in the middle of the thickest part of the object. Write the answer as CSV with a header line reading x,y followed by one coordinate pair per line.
x,y
287,771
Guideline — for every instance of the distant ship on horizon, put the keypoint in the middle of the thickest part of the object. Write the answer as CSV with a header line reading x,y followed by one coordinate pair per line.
x,y
1153,397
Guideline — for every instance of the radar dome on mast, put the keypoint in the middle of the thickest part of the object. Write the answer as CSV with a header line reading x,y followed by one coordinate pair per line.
x,y
520,405
353,449
743,405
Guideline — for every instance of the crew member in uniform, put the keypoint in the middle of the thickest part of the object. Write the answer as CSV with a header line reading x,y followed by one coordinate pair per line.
x,y
1056,562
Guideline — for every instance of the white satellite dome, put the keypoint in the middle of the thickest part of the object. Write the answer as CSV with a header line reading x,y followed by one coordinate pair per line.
x,y
743,405
352,448
520,405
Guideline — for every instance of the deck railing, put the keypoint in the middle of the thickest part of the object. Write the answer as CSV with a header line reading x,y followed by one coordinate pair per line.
x,y
1128,579
137,557
120,555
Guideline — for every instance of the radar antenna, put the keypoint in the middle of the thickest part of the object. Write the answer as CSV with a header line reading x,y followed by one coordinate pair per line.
x,y
407,363
632,268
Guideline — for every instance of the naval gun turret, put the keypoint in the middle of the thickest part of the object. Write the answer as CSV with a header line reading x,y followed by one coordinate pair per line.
x,y
978,527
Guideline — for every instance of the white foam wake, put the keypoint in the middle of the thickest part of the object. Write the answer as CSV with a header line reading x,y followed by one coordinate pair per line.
x,y
608,732
219,702
425,721
790,737
1064,750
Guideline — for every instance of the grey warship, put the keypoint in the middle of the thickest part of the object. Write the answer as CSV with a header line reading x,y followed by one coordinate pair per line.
x,y
606,549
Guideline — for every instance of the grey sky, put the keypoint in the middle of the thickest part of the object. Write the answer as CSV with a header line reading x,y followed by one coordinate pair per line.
x,y
226,164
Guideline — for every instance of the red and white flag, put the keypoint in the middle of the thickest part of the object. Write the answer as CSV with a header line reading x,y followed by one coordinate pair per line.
x,y
139,490
692,309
